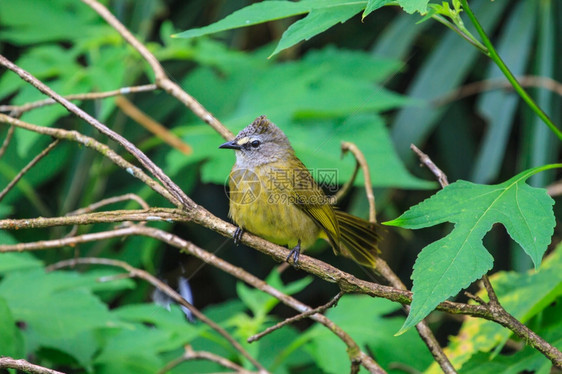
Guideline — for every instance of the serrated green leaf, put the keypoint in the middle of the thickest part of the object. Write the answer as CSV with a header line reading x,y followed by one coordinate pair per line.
x,y
373,5
259,13
445,267
317,21
412,6
251,15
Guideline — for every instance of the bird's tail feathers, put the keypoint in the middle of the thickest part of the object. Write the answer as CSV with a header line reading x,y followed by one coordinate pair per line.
x,y
358,239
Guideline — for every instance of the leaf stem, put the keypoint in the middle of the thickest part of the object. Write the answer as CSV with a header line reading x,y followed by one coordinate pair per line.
x,y
468,37
493,54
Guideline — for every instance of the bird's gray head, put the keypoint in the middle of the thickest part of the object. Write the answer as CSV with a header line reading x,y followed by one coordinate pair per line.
x,y
261,142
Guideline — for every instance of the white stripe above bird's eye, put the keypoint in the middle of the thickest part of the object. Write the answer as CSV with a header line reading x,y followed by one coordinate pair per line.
x,y
243,140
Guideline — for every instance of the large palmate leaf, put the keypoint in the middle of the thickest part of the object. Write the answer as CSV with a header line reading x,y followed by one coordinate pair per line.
x,y
320,16
446,266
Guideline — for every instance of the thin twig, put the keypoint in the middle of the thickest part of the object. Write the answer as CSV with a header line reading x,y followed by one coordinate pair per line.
x,y
108,201
346,187
490,290
554,189
139,273
27,167
190,354
153,126
347,282
23,365
498,83
7,140
425,160
347,146
96,146
476,298
161,78
17,110
181,197
111,200
296,318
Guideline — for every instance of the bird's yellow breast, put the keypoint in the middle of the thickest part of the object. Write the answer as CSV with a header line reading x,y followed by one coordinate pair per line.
x,y
261,202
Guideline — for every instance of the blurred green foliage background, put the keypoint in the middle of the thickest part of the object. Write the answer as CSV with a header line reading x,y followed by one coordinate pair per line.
x,y
383,84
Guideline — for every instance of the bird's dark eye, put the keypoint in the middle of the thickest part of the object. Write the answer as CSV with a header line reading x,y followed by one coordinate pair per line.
x,y
255,143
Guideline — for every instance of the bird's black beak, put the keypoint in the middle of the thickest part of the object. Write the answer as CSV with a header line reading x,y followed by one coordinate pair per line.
x,y
230,145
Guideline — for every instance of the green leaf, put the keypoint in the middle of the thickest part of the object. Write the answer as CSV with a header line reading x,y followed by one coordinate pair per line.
x,y
317,21
132,350
55,307
11,339
29,26
373,5
172,321
16,261
445,267
411,6
261,303
365,320
251,15
322,14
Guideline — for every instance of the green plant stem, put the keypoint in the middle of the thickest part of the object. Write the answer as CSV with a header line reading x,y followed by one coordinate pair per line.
x,y
493,54
469,38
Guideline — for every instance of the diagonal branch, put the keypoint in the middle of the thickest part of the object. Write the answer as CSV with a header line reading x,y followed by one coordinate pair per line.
x,y
183,199
17,110
23,365
27,167
161,78
89,142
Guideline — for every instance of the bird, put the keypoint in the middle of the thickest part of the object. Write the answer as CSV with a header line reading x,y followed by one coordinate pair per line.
x,y
273,195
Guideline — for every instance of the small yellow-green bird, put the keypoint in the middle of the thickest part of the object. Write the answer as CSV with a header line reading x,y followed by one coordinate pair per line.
x,y
273,195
